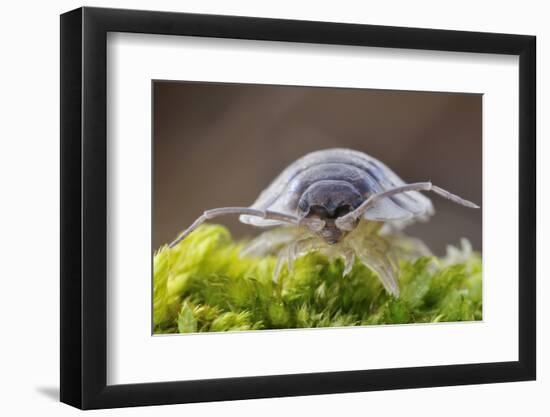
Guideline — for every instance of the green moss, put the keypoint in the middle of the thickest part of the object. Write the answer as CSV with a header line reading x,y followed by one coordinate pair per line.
x,y
202,285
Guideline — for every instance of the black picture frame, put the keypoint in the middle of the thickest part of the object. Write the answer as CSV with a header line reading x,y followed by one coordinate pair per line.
x,y
84,207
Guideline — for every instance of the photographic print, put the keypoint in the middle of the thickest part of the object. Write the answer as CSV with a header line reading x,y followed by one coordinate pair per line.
x,y
292,207
327,182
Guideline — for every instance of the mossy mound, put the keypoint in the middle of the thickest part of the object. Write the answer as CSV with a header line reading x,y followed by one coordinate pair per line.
x,y
202,285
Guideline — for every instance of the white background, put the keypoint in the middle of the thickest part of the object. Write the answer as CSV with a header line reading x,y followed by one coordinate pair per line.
x,y
134,356
29,211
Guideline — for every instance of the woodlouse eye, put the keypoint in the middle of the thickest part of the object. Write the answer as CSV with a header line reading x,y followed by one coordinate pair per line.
x,y
342,210
318,211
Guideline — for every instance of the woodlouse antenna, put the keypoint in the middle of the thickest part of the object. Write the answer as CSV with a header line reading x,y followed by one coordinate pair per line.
x,y
347,222
222,211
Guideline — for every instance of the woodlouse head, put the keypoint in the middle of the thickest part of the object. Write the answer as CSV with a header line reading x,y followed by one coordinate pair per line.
x,y
327,201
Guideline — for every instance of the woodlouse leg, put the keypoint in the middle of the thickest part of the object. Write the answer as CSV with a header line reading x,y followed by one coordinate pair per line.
x,y
301,247
349,260
293,251
347,222
281,258
285,255
223,211
374,253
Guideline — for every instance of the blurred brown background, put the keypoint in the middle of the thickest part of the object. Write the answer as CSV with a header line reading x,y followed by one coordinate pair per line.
x,y
218,144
